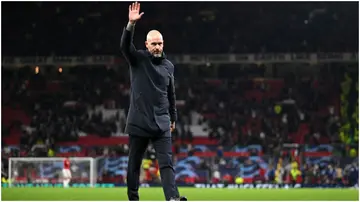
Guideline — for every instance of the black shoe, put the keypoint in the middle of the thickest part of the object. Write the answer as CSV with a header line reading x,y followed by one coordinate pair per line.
x,y
182,198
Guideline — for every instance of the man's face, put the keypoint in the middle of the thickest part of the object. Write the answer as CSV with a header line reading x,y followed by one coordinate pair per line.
x,y
155,46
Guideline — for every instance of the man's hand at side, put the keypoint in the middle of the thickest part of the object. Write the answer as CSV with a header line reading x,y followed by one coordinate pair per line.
x,y
172,126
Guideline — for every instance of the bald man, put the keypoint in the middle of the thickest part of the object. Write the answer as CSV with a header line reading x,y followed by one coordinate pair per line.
x,y
152,112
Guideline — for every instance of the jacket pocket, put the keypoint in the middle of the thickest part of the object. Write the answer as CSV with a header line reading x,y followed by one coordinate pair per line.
x,y
139,104
162,106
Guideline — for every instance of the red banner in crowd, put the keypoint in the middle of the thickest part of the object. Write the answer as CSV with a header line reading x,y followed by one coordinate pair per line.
x,y
94,140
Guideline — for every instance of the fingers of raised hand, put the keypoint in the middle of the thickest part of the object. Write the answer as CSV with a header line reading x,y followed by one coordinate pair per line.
x,y
137,6
134,7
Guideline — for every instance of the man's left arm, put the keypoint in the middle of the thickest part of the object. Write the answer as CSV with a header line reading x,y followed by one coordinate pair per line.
x,y
172,101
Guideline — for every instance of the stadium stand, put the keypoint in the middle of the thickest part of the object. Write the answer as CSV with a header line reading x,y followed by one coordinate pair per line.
x,y
256,120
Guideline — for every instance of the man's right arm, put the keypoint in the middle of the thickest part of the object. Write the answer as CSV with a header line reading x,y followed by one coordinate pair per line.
x,y
126,44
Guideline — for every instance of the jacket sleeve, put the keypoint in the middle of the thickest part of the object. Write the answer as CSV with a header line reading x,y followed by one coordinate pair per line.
x,y
127,47
172,99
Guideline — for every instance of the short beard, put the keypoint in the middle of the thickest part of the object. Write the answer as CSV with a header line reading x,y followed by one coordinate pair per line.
x,y
157,55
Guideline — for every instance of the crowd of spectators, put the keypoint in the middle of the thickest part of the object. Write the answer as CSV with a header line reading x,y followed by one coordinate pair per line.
x,y
330,174
95,101
82,101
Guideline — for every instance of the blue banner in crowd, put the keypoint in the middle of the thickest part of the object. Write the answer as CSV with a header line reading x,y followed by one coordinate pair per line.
x,y
211,186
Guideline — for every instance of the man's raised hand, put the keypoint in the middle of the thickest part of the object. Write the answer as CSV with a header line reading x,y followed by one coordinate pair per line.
x,y
134,10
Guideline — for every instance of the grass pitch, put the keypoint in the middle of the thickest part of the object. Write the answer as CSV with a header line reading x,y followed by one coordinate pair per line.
x,y
193,194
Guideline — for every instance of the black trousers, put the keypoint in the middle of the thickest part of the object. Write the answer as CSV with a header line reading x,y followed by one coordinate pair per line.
x,y
137,148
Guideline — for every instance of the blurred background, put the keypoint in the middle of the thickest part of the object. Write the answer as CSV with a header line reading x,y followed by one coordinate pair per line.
x,y
267,92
